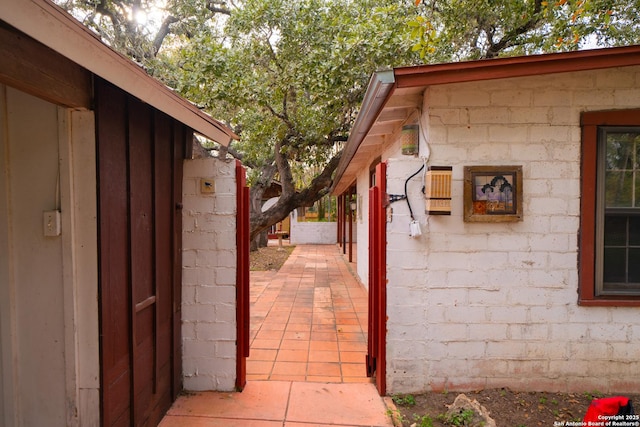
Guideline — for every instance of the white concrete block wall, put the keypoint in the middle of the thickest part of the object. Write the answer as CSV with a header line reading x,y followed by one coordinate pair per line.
x,y
473,305
362,228
209,276
313,232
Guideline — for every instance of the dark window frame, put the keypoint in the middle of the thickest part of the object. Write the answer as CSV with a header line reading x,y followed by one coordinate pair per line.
x,y
591,123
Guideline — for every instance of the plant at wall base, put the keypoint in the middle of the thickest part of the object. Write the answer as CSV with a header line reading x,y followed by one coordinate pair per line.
x,y
422,421
593,395
396,416
461,419
404,400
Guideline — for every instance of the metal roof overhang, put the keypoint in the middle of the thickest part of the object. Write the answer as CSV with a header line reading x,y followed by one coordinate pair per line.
x,y
392,96
56,29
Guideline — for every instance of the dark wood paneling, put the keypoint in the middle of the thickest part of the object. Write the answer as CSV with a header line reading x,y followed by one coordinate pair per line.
x,y
139,188
33,68
182,138
114,254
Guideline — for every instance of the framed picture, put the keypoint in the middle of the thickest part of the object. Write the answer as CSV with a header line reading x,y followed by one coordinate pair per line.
x,y
492,193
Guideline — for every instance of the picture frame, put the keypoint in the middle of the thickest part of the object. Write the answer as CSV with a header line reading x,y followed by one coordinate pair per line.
x,y
493,193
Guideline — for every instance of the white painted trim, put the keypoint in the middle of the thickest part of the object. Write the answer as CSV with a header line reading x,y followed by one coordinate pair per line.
x,y
80,265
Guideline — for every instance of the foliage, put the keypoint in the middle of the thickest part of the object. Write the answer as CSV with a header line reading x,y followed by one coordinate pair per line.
x,y
446,30
292,72
462,418
422,420
404,400
289,78
139,28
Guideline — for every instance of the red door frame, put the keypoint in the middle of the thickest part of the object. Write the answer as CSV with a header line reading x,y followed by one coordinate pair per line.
x,y
377,328
242,276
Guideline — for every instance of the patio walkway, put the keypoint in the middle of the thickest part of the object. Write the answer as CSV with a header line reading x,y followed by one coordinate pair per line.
x,y
308,347
308,320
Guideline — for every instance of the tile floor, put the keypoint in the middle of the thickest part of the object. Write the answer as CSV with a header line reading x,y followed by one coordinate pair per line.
x,y
308,320
308,347
283,404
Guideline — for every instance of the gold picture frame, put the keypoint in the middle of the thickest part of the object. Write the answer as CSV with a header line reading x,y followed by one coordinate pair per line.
x,y
492,193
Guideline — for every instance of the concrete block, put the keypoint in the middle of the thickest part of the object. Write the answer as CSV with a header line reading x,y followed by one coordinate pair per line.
x,y
199,383
594,97
227,350
508,315
617,78
548,205
226,276
570,332
546,133
489,151
469,96
627,97
563,116
533,115
198,204
554,314
489,115
552,98
529,332
468,134
196,241
614,333
445,116
226,313
506,349
216,295
459,352
198,350
189,187
548,350
225,204
512,97
200,167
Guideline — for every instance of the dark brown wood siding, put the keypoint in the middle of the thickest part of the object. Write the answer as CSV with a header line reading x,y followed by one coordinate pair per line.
x,y
140,153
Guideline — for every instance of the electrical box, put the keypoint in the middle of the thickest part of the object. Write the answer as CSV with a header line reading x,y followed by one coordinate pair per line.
x,y
207,186
51,223
437,190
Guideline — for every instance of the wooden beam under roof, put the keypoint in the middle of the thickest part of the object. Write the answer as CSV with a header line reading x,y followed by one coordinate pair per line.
x,y
31,67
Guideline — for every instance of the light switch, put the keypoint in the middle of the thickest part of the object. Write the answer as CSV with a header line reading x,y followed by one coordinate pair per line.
x,y
51,222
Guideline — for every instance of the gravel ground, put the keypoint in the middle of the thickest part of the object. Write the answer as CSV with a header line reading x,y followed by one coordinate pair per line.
x,y
269,258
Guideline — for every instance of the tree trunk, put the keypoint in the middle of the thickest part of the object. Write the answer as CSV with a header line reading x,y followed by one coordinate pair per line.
x,y
287,202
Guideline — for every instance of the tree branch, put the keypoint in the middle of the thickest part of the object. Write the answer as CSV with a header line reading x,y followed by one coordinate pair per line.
x,y
510,38
287,203
162,33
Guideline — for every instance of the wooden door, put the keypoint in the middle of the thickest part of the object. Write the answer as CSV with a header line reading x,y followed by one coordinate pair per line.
x,y
140,152
243,316
377,327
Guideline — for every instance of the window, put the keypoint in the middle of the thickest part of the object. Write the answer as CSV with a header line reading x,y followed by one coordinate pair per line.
x,y
610,210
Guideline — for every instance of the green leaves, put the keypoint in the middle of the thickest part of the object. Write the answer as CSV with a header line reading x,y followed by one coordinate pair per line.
x,y
292,71
450,30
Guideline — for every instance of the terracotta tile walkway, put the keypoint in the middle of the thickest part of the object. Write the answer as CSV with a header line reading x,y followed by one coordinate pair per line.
x,y
308,338
308,320
282,404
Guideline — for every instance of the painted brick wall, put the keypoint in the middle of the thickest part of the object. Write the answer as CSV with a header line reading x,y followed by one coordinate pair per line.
x,y
312,233
475,305
209,276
